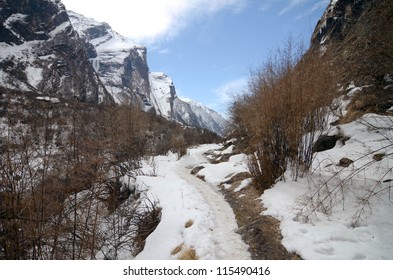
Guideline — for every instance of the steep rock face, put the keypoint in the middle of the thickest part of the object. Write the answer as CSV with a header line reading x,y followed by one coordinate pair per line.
x,y
120,63
195,114
358,36
186,112
163,94
59,54
41,52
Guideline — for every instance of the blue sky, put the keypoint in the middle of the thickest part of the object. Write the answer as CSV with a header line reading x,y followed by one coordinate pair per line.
x,y
207,46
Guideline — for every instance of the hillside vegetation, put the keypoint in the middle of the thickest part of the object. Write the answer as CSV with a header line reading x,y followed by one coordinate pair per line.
x,y
287,110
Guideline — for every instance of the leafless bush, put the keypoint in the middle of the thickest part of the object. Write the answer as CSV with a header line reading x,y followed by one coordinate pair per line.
x,y
147,221
284,113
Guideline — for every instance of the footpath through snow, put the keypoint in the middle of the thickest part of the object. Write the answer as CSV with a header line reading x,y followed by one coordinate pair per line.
x,y
195,215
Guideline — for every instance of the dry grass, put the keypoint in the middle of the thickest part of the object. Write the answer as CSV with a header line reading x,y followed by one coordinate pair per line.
x,y
177,249
189,224
189,254
184,252
288,100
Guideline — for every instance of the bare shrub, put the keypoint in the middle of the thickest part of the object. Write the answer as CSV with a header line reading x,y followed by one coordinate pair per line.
x,y
285,112
147,221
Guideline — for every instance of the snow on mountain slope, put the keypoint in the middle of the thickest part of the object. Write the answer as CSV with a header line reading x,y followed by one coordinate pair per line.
x,y
192,112
187,112
120,63
339,212
163,94
40,52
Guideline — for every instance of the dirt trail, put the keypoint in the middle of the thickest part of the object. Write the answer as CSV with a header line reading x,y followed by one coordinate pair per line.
x,y
229,244
261,233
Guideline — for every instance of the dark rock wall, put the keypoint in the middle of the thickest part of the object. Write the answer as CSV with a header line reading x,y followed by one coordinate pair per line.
x,y
53,46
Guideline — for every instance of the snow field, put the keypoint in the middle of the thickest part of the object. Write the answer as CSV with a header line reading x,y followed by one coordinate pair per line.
x,y
346,229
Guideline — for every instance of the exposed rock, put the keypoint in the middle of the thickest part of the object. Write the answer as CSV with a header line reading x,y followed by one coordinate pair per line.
x,y
122,66
60,54
238,178
325,142
41,52
345,162
120,63
186,112
358,35
196,169
379,156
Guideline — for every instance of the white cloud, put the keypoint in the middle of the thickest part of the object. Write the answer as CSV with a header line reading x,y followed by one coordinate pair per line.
x,y
292,4
151,20
322,4
264,7
164,51
231,89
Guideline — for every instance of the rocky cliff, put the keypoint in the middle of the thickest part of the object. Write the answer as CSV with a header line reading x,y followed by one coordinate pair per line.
x,y
49,51
120,63
358,35
41,52
187,112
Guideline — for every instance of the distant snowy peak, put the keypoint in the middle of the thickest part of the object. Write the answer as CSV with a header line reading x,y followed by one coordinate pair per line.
x,y
185,111
193,113
122,67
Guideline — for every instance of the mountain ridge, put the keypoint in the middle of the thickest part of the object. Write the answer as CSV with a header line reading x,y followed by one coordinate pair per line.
x,y
47,50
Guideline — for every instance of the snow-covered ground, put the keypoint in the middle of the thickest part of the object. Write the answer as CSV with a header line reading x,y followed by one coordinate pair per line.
x,y
334,212
194,213
350,213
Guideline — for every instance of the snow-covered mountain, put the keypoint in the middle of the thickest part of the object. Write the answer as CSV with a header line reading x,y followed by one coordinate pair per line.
x,y
123,68
49,51
187,112
120,63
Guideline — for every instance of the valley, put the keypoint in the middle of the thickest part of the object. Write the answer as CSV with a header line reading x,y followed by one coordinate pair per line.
x,y
102,159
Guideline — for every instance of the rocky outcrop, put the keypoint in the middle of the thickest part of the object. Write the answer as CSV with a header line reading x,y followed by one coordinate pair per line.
x,y
120,63
56,53
359,33
41,52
